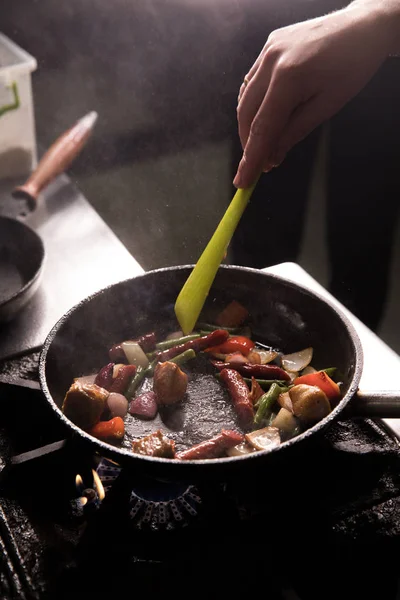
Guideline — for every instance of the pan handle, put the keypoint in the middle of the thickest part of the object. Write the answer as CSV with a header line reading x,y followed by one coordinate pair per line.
x,y
380,404
57,159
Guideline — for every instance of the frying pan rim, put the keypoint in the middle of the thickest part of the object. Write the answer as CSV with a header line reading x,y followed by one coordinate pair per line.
x,y
39,270
217,462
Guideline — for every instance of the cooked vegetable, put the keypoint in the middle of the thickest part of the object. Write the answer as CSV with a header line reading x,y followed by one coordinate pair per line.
x,y
254,358
198,344
331,371
136,381
213,448
86,379
266,356
155,444
238,343
117,354
266,403
240,450
308,370
264,439
121,382
176,341
256,391
184,357
144,406
108,431
287,424
116,369
298,360
84,404
207,327
233,315
147,342
104,377
169,383
235,358
257,371
175,335
285,401
323,381
265,384
310,403
135,354
117,405
239,392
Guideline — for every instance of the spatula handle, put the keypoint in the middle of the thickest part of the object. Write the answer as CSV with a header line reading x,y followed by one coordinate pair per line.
x,y
57,159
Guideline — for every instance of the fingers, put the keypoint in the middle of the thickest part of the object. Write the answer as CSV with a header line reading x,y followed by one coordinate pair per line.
x,y
253,93
265,131
302,122
247,78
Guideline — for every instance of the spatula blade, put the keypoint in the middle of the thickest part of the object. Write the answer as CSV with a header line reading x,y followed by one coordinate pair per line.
x,y
193,295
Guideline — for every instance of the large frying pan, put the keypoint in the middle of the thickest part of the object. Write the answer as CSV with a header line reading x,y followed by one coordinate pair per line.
x,y
283,314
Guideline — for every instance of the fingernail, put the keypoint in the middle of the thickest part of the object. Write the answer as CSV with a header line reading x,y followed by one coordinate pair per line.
x,y
237,181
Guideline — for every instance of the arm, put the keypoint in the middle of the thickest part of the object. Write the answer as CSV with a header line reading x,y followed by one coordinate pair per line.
x,y
305,74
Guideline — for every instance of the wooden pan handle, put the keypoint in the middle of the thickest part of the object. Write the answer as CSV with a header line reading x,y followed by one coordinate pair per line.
x,y
57,159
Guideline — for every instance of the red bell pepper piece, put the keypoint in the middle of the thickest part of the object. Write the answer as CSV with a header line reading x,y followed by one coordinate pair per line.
x,y
323,381
233,315
238,343
109,430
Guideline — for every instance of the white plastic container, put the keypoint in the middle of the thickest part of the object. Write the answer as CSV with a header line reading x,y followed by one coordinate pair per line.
x,y
17,124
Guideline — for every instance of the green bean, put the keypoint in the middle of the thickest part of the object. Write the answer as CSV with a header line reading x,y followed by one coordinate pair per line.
x,y
136,381
184,357
206,328
177,341
149,372
266,383
266,403
330,371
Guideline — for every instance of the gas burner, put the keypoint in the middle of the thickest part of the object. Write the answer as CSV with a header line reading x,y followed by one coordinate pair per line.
x,y
156,506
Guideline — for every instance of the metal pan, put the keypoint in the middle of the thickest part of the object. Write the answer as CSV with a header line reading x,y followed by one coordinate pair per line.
x,y
283,314
21,249
21,265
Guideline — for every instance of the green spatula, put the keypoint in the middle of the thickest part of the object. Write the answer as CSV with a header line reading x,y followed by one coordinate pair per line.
x,y
194,293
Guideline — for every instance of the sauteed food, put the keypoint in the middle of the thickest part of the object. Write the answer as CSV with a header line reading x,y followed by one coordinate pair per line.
x,y
275,396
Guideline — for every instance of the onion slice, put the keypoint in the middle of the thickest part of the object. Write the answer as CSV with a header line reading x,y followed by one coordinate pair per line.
x,y
285,401
309,370
263,439
175,335
86,379
298,360
240,450
266,356
135,354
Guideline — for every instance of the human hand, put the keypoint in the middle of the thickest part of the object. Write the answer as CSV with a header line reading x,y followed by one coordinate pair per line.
x,y
305,73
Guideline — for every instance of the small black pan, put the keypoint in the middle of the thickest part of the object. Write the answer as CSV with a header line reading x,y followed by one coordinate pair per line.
x,y
21,265
283,314
21,249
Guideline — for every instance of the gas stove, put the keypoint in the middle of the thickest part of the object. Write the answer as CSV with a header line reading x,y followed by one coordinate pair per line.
x,y
73,525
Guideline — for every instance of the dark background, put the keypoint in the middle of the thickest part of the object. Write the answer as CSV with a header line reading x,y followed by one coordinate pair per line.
x,y
164,78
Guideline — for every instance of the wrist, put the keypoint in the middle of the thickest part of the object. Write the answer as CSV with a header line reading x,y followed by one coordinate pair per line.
x,y
383,16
